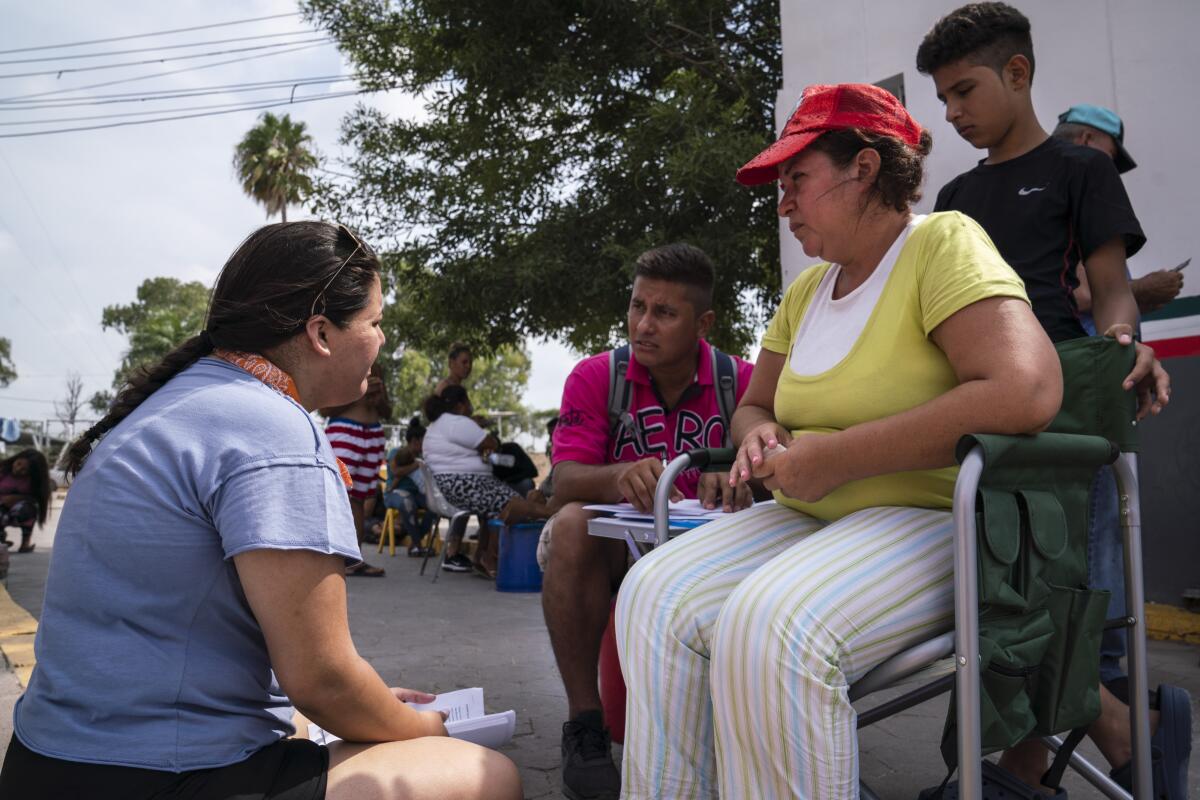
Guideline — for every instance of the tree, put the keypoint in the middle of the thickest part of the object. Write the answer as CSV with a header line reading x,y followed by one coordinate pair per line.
x,y
8,370
560,140
167,313
273,161
72,402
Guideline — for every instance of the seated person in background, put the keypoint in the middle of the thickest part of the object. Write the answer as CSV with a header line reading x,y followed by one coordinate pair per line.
x,y
1101,129
25,487
680,394
456,450
197,596
356,435
513,465
405,490
459,362
738,641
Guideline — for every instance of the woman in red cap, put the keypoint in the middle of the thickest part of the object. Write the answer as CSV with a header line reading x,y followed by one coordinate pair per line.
x,y
739,641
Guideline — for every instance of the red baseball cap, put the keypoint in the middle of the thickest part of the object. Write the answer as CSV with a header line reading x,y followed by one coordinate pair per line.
x,y
831,108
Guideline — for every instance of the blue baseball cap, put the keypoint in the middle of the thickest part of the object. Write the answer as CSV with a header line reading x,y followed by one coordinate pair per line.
x,y
1104,120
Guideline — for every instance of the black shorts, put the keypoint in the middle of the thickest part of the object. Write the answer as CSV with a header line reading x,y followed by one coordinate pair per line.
x,y
290,769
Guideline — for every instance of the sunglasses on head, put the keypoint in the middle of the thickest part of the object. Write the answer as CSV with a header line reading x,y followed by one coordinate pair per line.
x,y
342,229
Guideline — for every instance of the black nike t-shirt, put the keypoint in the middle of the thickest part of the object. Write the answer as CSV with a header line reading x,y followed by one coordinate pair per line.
x,y
1047,211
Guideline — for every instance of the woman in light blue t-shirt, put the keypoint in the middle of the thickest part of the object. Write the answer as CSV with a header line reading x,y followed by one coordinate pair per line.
x,y
198,597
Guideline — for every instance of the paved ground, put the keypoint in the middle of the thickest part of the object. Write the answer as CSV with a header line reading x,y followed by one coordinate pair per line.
x,y
461,632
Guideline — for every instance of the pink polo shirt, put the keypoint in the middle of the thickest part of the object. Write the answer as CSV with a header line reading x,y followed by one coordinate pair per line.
x,y
583,429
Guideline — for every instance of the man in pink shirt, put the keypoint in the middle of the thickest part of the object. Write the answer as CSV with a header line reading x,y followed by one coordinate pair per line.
x,y
673,406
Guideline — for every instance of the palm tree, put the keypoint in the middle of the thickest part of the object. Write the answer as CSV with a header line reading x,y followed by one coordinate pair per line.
x,y
272,162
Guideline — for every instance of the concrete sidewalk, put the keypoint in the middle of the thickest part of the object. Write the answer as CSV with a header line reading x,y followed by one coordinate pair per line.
x,y
462,632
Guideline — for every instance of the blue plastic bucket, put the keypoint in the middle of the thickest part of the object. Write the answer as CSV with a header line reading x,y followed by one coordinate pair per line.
x,y
518,570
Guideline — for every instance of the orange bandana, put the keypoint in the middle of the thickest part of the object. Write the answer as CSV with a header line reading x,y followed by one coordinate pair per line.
x,y
277,379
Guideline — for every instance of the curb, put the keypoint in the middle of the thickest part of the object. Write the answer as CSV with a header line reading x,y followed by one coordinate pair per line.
x,y
17,629
1171,624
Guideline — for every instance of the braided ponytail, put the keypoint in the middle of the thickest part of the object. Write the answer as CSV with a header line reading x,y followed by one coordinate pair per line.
x,y
144,382
265,295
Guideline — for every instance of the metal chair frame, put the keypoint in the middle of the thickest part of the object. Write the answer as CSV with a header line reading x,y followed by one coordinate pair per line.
x,y
436,503
963,642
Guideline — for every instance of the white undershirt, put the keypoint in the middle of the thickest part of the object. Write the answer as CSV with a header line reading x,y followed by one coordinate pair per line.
x,y
831,327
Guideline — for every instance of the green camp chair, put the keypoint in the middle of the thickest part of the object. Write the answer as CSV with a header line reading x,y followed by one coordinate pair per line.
x,y
1026,641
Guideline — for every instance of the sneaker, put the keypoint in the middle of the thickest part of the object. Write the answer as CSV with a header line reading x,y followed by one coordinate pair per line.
x,y
457,563
588,771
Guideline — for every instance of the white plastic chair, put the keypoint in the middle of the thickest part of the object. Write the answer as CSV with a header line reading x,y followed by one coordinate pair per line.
x,y
437,503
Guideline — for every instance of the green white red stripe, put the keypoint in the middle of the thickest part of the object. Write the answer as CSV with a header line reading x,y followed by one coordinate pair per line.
x,y
1174,330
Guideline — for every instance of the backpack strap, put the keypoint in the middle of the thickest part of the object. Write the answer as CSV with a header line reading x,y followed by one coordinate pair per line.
x,y
620,393
724,371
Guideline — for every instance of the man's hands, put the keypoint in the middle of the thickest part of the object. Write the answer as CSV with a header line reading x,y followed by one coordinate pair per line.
x,y
1155,289
638,481
714,490
433,723
1148,378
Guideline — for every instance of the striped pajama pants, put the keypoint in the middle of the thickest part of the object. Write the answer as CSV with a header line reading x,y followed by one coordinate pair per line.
x,y
739,642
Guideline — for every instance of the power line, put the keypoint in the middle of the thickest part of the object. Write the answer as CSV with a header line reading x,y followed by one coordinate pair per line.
x,y
146,35
237,106
297,101
155,49
171,94
158,74
143,62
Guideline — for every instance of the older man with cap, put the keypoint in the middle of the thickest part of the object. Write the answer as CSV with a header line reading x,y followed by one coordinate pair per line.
x,y
1101,129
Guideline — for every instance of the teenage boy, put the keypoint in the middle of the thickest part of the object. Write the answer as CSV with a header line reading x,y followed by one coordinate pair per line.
x,y
1047,206
673,404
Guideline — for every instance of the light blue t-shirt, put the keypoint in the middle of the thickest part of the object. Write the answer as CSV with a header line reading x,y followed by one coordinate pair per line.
x,y
147,653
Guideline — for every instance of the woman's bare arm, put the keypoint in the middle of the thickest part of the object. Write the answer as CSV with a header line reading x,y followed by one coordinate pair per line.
x,y
299,600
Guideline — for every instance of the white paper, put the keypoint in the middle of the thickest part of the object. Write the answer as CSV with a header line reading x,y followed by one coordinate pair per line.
x,y
466,720
683,509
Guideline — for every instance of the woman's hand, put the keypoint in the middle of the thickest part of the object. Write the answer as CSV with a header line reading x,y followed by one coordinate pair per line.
x,y
804,471
759,450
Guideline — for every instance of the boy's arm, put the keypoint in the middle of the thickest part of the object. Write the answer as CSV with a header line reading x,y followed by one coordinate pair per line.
x,y
1116,315
1112,299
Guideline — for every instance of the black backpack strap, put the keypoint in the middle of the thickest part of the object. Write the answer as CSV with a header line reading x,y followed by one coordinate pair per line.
x,y
725,374
1053,776
620,393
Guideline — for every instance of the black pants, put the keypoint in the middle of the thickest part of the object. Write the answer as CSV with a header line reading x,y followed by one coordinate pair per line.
x,y
290,769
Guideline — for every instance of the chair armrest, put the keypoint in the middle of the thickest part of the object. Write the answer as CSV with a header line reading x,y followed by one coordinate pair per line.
x,y
711,459
1041,450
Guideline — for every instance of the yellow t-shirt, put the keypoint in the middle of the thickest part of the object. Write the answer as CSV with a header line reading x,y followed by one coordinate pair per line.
x,y
947,264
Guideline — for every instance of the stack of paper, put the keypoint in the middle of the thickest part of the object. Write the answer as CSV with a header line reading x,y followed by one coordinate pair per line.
x,y
683,511
465,719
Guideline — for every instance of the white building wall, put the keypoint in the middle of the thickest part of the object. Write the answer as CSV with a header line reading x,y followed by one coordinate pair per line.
x,y
1138,58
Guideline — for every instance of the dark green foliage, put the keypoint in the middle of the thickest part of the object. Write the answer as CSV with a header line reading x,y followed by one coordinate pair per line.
x,y
560,140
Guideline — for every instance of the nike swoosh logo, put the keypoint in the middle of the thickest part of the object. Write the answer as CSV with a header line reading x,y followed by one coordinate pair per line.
x,y
1023,191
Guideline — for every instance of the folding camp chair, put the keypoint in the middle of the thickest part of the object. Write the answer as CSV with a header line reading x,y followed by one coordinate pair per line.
x,y
436,503
1067,453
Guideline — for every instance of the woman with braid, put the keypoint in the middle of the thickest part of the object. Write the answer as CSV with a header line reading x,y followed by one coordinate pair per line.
x,y
198,598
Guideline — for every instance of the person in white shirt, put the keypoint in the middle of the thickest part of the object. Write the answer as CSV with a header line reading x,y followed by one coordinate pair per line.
x,y
456,450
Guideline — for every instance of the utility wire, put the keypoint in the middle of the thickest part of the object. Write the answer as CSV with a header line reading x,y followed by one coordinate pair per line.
x,y
171,94
146,35
96,67
160,47
158,74
297,101
238,105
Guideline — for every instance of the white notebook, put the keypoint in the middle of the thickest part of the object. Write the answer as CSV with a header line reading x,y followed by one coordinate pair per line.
x,y
465,719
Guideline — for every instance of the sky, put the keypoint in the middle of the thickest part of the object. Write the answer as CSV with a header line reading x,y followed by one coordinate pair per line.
x,y
85,217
